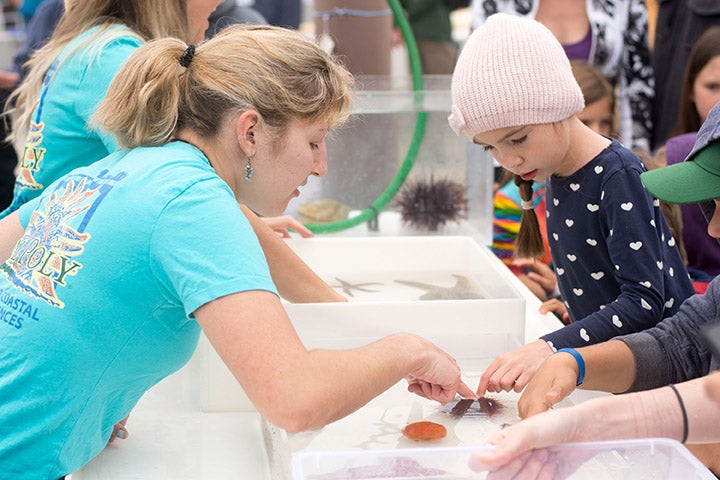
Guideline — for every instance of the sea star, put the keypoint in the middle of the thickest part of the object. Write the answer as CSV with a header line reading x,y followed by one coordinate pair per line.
x,y
348,287
462,290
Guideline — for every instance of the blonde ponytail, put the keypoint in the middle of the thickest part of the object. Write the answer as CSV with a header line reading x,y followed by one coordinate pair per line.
x,y
141,106
280,73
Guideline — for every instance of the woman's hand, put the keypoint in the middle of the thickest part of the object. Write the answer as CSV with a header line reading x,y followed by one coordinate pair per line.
x,y
438,378
282,224
9,80
518,450
119,431
513,370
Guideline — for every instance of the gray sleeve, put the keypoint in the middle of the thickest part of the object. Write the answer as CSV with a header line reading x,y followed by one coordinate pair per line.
x,y
673,351
650,359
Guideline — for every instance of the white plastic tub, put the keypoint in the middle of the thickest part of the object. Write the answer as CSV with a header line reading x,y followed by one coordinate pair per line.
x,y
473,330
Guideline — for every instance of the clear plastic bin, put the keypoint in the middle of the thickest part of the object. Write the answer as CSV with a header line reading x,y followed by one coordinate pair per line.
x,y
394,131
618,460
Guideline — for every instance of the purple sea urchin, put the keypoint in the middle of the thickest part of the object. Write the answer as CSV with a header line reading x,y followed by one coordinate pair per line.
x,y
430,204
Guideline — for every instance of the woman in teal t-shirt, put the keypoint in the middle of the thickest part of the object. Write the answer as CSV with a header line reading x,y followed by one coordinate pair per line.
x,y
110,274
70,76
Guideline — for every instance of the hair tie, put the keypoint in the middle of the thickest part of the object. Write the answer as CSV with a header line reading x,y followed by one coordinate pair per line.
x,y
527,204
187,56
683,411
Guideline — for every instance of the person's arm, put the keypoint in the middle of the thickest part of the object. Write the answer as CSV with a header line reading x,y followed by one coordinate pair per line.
x,y
297,389
653,413
295,281
670,352
9,80
609,367
10,232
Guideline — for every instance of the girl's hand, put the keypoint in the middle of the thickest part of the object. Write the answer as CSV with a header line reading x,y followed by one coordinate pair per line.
x,y
282,224
539,273
513,370
557,307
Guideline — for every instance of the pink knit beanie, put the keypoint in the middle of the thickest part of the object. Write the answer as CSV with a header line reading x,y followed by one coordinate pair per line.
x,y
512,72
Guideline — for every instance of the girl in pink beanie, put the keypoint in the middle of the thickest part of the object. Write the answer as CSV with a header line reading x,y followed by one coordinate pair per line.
x,y
618,268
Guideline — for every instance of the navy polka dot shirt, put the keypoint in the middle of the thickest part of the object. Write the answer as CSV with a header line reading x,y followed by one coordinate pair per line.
x,y
618,268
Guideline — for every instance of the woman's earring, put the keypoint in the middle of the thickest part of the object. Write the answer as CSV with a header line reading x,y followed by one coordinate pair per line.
x,y
249,171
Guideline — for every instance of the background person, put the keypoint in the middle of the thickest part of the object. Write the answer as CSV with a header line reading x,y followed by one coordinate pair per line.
x,y
68,77
700,91
678,26
37,33
610,35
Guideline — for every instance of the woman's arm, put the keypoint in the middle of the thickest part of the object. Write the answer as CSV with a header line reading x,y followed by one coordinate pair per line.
x,y
295,281
298,389
654,413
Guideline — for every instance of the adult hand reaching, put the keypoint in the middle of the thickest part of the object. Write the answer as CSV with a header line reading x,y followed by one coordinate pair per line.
x,y
438,378
284,223
119,430
519,451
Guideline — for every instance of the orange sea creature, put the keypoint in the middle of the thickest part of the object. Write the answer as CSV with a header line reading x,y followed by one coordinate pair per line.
x,y
424,430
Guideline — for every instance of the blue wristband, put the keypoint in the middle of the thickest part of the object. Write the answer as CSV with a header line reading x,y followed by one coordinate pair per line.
x,y
580,362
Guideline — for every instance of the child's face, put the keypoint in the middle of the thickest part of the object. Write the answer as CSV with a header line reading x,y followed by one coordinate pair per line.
x,y
598,116
535,152
706,89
